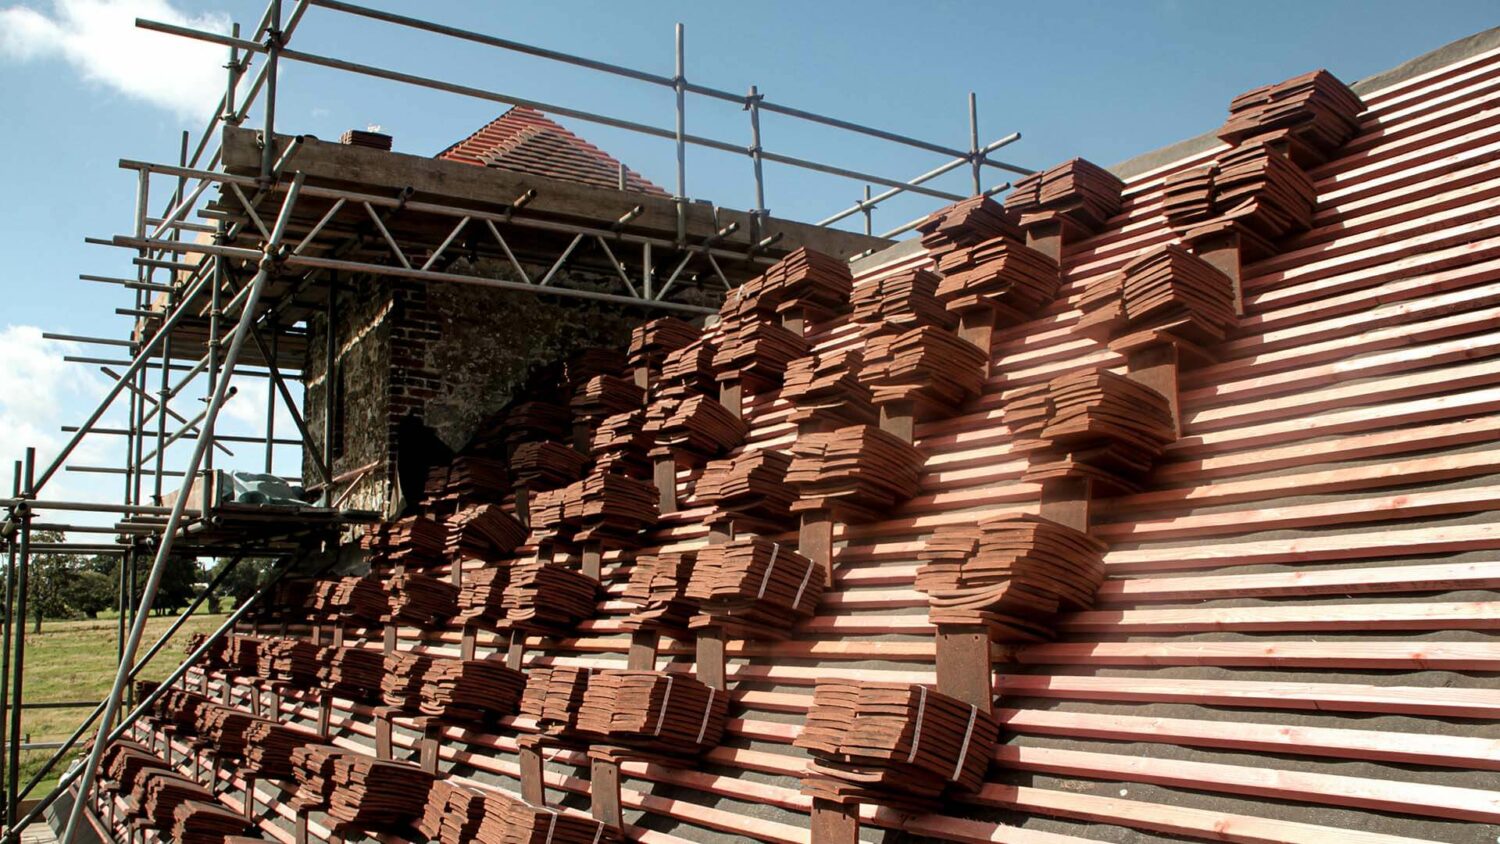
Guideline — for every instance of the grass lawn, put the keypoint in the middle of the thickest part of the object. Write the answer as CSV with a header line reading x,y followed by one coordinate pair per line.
x,y
75,661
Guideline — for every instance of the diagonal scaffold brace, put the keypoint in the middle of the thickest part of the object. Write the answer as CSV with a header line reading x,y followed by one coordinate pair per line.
x,y
257,285
12,835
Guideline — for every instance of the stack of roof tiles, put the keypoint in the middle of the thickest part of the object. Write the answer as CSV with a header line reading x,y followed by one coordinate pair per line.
x,y
622,444
893,743
146,688
312,768
205,821
352,672
1079,191
1253,189
269,747
750,485
470,689
1091,424
482,532
966,223
615,507
548,596
657,590
412,541
553,695
1166,295
460,689
818,285
124,761
293,659
860,469
422,600
927,365
546,464
608,506
755,299
239,654
697,425
651,342
905,298
452,814
368,139
814,283
757,350
405,672
180,707
265,658
526,824
754,588
511,821
353,598
653,710
160,792
604,395
687,371
999,273
1315,110
467,479
554,509
826,388
1011,574
481,598
225,727
359,791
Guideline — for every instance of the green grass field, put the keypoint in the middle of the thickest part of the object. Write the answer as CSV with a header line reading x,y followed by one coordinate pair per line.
x,y
76,660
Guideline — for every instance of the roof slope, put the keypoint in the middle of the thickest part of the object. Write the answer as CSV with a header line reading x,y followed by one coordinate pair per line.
x,y
1294,643
527,141
1296,640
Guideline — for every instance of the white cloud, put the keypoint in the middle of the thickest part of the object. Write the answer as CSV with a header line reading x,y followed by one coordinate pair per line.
x,y
246,412
100,40
39,392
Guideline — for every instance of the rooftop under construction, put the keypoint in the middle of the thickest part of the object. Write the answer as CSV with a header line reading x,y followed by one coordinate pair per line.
x,y
1132,504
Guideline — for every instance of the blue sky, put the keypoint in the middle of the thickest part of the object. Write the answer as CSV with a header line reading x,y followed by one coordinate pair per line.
x,y
1104,80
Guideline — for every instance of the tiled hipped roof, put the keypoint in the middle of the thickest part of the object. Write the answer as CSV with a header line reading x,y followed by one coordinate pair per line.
x,y
526,141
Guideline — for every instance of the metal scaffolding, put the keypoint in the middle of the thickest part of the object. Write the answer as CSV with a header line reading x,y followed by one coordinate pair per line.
x,y
268,251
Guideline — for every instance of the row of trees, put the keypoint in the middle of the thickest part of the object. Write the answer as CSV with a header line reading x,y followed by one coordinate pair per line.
x,y
73,586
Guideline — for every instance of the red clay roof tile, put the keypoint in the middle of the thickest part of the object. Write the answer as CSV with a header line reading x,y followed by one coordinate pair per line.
x,y
527,141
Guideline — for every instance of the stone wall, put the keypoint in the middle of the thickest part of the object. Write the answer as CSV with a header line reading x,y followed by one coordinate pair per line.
x,y
363,318
491,342
449,355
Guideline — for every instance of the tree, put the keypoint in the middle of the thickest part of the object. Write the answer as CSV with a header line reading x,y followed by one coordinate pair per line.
x,y
179,583
49,580
90,592
67,585
242,582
